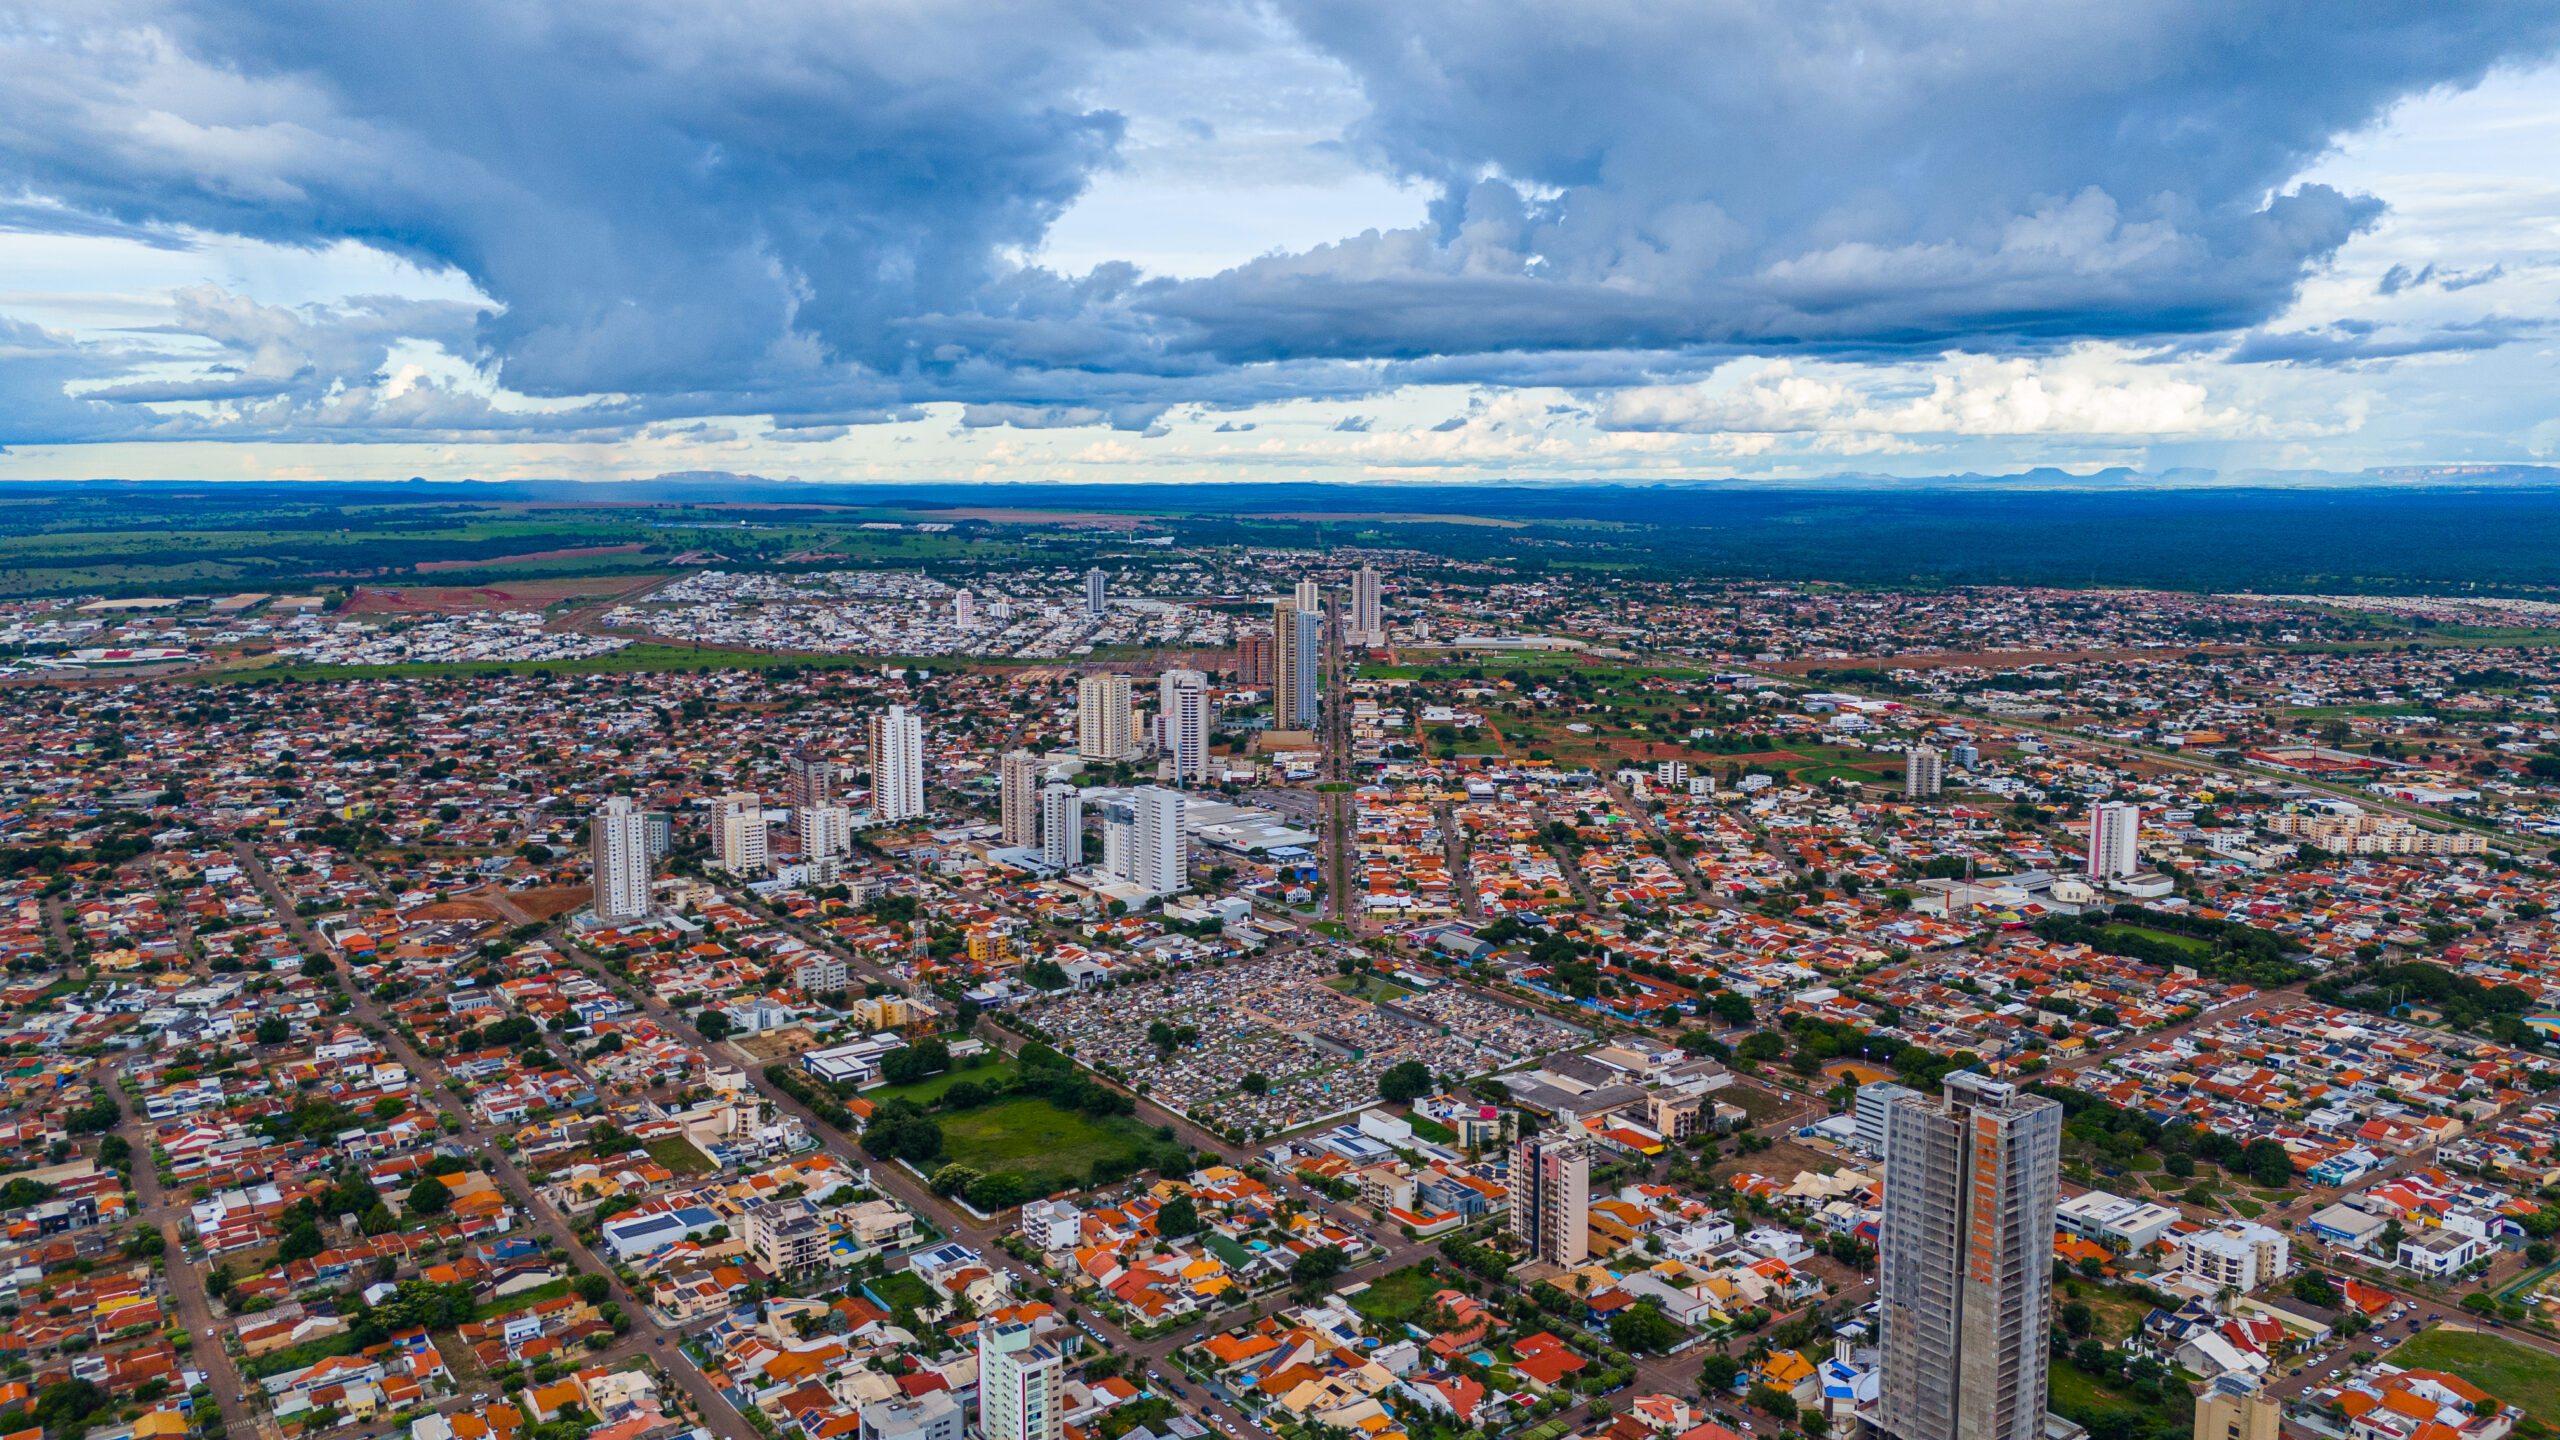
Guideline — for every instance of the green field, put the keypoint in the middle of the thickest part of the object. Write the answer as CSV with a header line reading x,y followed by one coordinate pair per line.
x,y
2513,1373
2193,945
1367,987
680,1155
1399,1296
1049,1148
1816,774
521,1300
929,1089
901,1290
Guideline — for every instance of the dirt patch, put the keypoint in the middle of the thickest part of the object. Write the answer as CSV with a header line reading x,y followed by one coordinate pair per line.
x,y
771,1045
572,552
450,599
550,901
461,907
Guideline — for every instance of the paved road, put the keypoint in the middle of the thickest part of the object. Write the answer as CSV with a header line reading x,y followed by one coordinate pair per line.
x,y
647,1336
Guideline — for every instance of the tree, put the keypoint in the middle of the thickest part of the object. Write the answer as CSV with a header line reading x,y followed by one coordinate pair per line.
x,y
1717,1373
1316,1266
996,1192
1730,1008
1404,1083
301,1243
592,1288
1643,1328
1770,1400
274,1030
66,1405
713,1025
1178,1218
429,1197
1255,1084
2078,1319
2090,1356
2267,1163
2313,1288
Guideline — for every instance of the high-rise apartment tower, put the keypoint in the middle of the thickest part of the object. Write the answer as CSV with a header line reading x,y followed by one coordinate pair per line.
x,y
618,838
897,765
1018,776
1966,1283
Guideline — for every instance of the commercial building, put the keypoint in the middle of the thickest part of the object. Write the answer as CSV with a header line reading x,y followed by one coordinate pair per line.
x,y
1018,1383
2122,1225
1061,825
1924,772
737,832
1018,776
1183,700
1551,1197
1097,591
1966,1262
1103,727
618,838
2114,826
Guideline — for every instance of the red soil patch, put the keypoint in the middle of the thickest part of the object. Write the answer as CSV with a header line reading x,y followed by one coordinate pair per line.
x,y
569,553
446,599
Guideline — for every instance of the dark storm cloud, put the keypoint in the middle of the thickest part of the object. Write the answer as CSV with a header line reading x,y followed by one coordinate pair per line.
x,y
806,211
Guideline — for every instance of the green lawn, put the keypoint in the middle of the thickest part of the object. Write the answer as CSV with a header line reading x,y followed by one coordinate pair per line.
x,y
680,1155
900,1290
1394,1298
522,1299
929,1089
2189,943
2143,1163
2513,1373
2076,1396
1367,987
1049,1148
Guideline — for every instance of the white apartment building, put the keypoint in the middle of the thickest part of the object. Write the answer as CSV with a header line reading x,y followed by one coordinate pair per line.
x,y
826,832
1018,1382
1924,772
2114,828
819,974
1183,700
1104,730
738,833
618,839
1061,825
2239,1254
1160,863
897,766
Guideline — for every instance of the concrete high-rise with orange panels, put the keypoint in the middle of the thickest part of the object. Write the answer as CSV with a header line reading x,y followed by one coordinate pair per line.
x,y
1966,1282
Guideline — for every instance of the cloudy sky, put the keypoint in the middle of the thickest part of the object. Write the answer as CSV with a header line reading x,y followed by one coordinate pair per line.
x,y
1304,239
